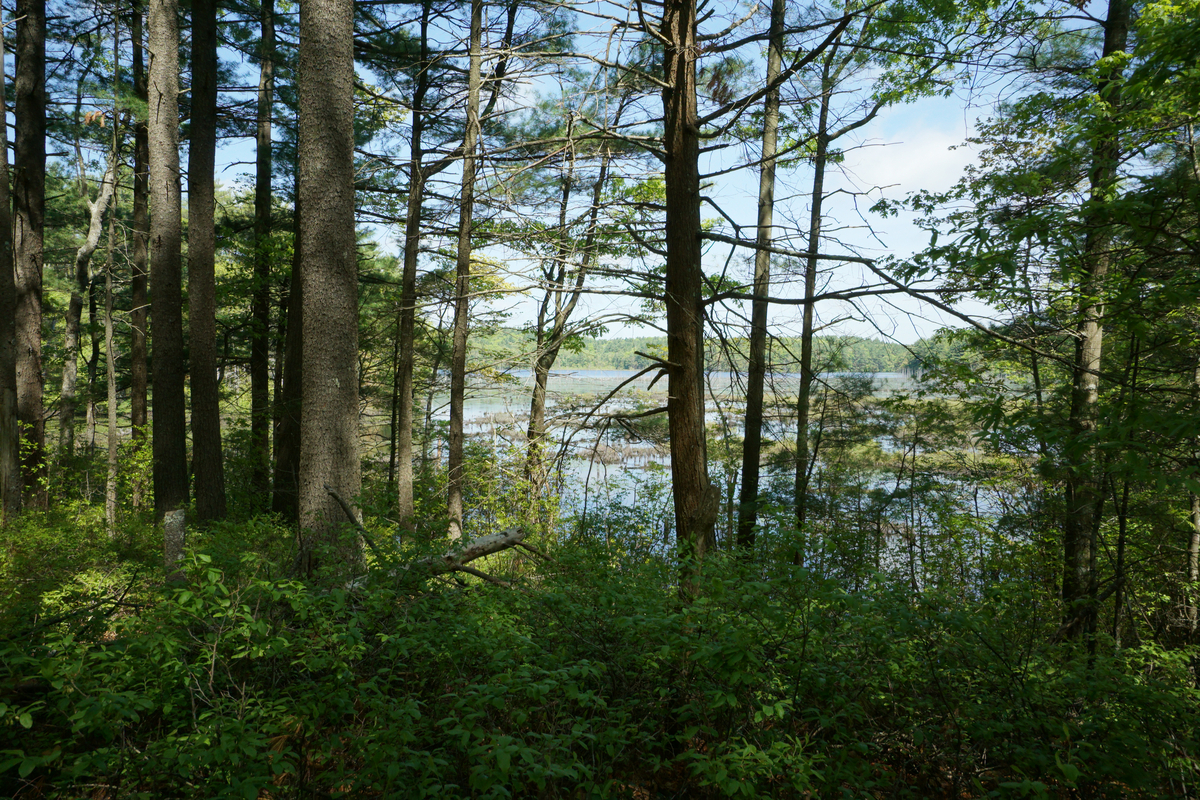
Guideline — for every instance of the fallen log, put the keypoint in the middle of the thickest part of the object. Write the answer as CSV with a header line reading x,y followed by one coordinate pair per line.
x,y
454,560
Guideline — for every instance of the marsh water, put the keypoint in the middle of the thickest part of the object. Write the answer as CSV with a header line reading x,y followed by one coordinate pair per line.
x,y
584,406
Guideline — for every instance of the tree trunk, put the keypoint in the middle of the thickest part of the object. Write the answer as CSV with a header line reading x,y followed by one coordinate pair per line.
x,y
1193,565
289,402
1083,492
260,331
207,464
170,444
1192,552
329,456
93,367
804,459
139,368
29,207
83,260
394,410
756,377
139,371
696,499
10,460
458,365
110,342
565,299
408,287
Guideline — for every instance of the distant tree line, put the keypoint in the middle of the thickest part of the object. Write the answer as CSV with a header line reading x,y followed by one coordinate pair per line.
x,y
831,353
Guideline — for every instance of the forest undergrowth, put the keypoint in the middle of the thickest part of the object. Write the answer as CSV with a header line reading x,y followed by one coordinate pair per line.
x,y
588,678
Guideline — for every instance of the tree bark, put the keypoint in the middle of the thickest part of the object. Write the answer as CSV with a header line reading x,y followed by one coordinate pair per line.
x,y
329,416
1083,485
458,362
207,463
169,442
29,207
696,499
260,410
756,374
139,368
10,460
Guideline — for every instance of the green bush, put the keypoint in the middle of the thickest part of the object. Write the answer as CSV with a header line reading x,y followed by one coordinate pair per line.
x,y
587,680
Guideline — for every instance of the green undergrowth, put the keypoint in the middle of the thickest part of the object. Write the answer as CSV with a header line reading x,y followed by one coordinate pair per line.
x,y
588,679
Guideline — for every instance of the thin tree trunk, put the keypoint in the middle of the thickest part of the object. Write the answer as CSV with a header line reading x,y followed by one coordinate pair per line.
x,y
29,207
329,458
458,365
93,367
1193,546
170,444
419,174
1193,564
83,260
139,366
408,287
110,343
696,499
756,377
1082,463
260,409
290,400
807,377
10,460
394,410
207,463
549,345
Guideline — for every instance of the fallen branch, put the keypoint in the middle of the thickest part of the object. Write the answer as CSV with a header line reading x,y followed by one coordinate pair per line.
x,y
353,519
456,560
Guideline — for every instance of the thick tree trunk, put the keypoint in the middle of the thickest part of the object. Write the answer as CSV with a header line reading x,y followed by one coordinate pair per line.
x,y
804,458
83,260
10,460
1083,489
139,368
207,463
260,410
170,444
29,206
458,363
756,375
696,499
289,401
408,287
329,456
